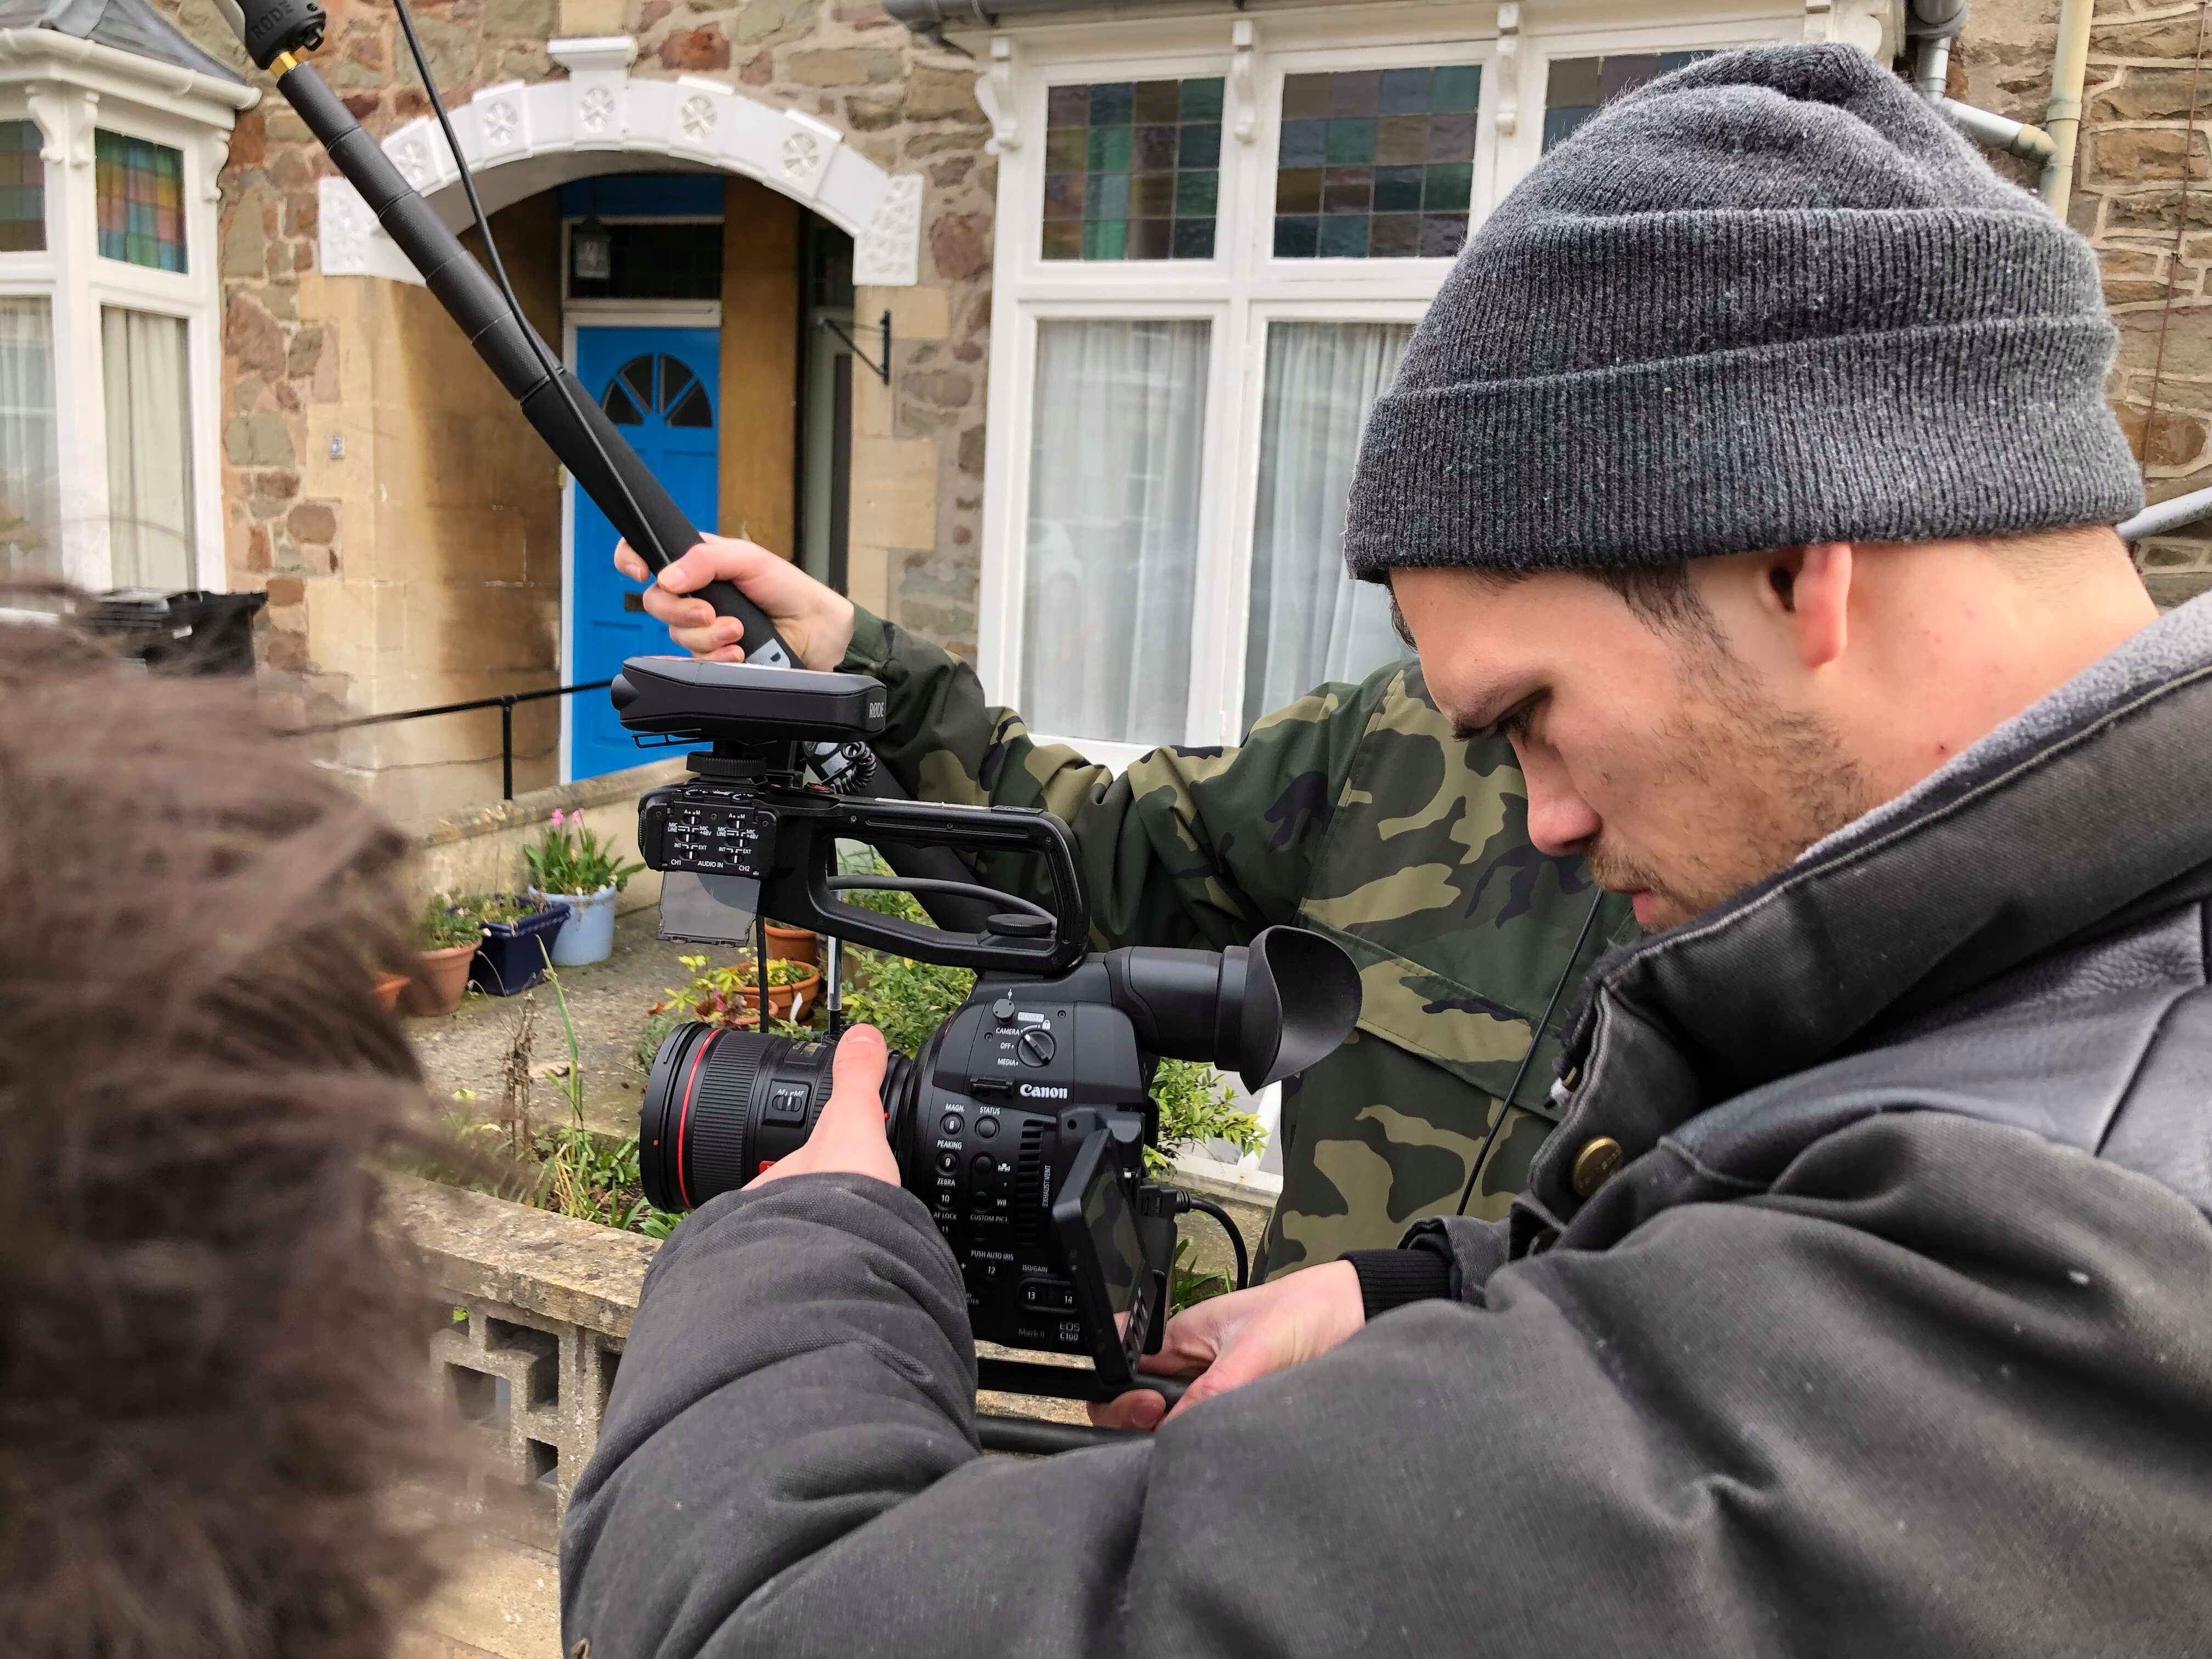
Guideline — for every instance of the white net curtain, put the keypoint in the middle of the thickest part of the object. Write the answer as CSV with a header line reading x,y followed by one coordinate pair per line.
x,y
1310,622
1111,585
30,504
150,464
1116,463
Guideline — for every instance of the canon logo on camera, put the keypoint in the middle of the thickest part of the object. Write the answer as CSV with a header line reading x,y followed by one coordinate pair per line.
x,y
1033,1091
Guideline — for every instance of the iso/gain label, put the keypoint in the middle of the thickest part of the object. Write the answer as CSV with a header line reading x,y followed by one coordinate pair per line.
x,y
719,840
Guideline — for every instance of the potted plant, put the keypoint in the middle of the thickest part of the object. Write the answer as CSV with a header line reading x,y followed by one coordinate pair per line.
x,y
730,997
572,867
446,944
517,934
792,945
390,987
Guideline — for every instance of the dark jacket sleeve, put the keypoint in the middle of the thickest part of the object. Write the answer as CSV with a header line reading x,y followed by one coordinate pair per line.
x,y
1199,847
1858,1414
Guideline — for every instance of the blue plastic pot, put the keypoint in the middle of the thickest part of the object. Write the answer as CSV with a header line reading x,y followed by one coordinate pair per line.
x,y
588,935
511,957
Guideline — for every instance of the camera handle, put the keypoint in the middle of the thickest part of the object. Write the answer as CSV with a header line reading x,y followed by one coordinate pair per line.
x,y
800,892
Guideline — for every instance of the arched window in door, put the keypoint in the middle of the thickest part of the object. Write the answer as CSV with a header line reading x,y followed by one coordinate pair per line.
x,y
657,384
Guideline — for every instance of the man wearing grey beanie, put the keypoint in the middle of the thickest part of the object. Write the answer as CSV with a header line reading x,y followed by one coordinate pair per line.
x,y
1752,474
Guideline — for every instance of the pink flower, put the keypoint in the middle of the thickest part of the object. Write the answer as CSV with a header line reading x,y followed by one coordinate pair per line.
x,y
557,819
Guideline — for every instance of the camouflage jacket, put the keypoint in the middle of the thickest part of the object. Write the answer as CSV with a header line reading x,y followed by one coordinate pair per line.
x,y
1353,813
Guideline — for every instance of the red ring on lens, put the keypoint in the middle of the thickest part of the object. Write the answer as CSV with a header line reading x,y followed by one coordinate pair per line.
x,y
684,1121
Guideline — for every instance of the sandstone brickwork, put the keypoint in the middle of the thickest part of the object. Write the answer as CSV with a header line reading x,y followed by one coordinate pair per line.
x,y
2143,195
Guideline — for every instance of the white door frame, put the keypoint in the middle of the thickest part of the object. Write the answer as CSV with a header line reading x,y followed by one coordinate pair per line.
x,y
607,313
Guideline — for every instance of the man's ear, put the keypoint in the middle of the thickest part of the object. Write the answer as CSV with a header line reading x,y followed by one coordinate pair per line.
x,y
1809,589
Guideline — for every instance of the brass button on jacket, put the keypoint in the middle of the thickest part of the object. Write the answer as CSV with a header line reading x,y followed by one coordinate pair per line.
x,y
1595,1164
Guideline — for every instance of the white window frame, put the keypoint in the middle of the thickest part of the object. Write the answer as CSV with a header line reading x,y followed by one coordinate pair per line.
x,y
70,90
1244,289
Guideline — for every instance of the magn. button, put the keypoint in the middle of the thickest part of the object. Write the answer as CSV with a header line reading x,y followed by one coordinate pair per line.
x,y
1595,1164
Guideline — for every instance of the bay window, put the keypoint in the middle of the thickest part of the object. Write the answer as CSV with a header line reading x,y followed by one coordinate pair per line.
x,y
1215,238
110,350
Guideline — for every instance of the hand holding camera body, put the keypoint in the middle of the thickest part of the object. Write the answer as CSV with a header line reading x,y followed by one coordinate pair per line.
x,y
1023,1122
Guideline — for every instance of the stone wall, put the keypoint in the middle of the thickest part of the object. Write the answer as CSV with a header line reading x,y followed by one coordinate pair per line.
x,y
546,1305
2129,192
479,849
296,343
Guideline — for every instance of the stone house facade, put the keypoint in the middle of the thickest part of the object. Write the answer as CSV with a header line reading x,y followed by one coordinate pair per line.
x,y
2142,195
1118,500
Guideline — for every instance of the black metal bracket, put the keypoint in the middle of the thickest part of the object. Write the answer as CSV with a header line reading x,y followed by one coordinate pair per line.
x,y
883,369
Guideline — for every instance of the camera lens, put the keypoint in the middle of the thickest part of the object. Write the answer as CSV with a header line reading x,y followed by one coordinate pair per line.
x,y
721,1106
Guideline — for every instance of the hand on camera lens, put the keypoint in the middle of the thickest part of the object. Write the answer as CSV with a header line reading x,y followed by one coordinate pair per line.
x,y
1234,1340
848,1137
815,622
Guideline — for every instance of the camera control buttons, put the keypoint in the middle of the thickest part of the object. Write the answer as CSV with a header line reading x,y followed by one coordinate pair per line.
x,y
982,1086
787,1104
1035,1047
948,1163
1003,1010
953,1123
986,1127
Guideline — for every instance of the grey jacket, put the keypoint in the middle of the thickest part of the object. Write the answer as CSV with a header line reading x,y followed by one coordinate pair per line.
x,y
1892,1335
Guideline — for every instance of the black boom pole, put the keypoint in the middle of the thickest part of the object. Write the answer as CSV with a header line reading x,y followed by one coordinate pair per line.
x,y
568,419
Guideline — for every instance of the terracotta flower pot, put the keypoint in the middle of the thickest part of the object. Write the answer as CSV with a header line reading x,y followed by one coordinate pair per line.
x,y
388,987
780,998
794,944
441,980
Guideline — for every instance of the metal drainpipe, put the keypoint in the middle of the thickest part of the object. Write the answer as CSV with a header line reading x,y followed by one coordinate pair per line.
x,y
1932,73
2069,73
1935,24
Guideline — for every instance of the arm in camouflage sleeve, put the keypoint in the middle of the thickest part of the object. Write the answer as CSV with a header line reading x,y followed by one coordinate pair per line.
x,y
1189,847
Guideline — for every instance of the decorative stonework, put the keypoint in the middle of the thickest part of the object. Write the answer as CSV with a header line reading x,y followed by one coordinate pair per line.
x,y
1244,94
499,120
888,253
352,243
995,92
411,152
603,106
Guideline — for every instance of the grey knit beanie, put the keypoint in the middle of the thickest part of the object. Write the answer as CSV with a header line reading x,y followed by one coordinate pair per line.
x,y
1768,300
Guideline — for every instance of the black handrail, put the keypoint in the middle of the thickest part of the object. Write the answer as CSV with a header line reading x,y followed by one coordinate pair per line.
x,y
504,703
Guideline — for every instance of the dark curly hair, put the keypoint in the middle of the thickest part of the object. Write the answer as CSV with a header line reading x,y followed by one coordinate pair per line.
x,y
212,1355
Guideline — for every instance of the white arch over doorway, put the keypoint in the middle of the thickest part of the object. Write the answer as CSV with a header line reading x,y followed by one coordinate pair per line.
x,y
603,119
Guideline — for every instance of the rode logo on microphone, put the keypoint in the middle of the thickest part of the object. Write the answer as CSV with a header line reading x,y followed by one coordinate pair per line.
x,y
1036,1092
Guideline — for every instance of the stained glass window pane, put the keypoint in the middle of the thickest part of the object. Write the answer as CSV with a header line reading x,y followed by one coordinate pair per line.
x,y
1133,170
1578,86
22,189
140,188
1376,164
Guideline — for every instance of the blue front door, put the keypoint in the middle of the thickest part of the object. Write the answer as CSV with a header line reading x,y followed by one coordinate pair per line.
x,y
660,387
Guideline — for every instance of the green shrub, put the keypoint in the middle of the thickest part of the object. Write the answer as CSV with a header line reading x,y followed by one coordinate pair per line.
x,y
441,927
572,861
496,909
